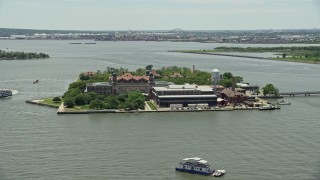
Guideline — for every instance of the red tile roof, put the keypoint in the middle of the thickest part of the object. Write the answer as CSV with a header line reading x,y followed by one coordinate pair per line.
x,y
126,77
88,73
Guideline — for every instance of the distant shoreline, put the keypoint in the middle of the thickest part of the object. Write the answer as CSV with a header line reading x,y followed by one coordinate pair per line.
x,y
16,55
244,56
222,54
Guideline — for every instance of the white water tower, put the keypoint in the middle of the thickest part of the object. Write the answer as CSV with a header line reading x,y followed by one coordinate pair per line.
x,y
215,77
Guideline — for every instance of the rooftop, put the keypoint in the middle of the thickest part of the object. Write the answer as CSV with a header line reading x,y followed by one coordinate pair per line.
x,y
189,96
128,77
231,93
99,84
185,87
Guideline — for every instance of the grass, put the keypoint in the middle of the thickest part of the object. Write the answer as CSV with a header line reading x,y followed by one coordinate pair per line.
x,y
151,105
84,107
49,101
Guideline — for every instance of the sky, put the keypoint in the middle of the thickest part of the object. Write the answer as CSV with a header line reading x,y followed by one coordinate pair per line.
x,y
160,14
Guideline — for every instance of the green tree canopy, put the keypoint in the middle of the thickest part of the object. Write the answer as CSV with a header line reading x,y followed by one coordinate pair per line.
x,y
96,104
69,102
227,75
149,67
78,85
269,89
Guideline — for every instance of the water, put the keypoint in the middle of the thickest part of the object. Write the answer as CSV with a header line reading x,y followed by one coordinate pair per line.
x,y
36,143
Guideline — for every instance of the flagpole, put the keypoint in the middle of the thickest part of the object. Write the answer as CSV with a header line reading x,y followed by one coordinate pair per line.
x,y
38,91
37,82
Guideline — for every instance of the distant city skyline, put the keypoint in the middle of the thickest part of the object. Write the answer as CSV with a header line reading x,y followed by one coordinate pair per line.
x,y
159,14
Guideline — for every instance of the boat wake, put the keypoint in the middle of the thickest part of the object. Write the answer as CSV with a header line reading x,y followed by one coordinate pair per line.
x,y
14,91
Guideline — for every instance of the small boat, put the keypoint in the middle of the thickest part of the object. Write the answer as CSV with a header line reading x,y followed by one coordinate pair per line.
x,y
267,107
196,165
284,103
5,93
218,173
75,43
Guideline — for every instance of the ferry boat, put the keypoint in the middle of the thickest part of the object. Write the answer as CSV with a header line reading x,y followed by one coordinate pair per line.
x,y
5,93
197,165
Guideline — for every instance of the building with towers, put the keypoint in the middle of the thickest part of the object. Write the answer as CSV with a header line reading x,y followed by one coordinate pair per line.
x,y
123,84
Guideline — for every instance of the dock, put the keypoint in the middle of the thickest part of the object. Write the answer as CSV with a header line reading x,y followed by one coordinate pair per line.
x,y
302,93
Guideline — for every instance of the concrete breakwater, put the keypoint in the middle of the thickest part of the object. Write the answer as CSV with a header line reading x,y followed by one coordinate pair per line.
x,y
223,54
139,111
39,102
62,110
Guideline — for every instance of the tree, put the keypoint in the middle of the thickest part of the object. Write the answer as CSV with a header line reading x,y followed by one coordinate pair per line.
x,y
238,79
69,102
122,97
135,100
92,95
78,85
226,83
96,104
56,99
84,77
112,101
81,99
149,67
284,55
269,89
227,75
72,93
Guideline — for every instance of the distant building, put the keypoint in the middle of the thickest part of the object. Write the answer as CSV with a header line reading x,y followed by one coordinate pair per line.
x,y
89,73
162,83
183,94
156,75
104,88
233,97
127,82
248,87
123,84
219,87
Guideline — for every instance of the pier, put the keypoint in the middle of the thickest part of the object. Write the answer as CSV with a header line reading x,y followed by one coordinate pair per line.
x,y
302,93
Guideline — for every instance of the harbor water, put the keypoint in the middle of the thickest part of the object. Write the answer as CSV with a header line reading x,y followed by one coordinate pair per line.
x,y
36,143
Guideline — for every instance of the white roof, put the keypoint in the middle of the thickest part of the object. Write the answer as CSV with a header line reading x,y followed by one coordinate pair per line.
x,y
215,70
189,96
186,87
203,161
99,84
193,158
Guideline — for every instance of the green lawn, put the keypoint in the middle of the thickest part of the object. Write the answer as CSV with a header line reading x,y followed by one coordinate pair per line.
x,y
49,101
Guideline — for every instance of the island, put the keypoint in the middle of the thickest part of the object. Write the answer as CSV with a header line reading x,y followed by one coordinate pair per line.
x,y
303,54
15,55
168,89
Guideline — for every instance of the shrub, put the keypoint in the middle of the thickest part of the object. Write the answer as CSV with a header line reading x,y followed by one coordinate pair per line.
x,y
56,99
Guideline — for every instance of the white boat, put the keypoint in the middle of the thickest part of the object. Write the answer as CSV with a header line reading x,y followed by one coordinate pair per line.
x,y
267,107
284,102
218,173
196,165
5,93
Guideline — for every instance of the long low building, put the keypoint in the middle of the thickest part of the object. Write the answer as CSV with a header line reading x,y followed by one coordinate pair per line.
x,y
183,94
